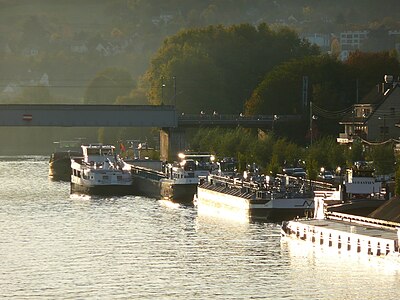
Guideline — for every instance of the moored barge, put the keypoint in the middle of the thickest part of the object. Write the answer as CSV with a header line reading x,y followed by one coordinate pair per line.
x,y
176,181
267,200
60,159
346,233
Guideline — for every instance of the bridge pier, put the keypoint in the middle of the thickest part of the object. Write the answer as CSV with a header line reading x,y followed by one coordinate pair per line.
x,y
172,141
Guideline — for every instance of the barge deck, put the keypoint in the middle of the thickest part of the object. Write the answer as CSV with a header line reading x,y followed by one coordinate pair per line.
x,y
343,232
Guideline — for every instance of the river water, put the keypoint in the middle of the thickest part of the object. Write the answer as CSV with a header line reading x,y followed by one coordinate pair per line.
x,y
57,246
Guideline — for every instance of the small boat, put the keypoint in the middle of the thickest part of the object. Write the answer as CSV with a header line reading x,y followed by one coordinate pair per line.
x,y
264,199
60,159
176,181
100,172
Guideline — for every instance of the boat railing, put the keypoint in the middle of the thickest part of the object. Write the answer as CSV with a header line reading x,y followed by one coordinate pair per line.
x,y
77,159
235,182
362,220
146,171
264,195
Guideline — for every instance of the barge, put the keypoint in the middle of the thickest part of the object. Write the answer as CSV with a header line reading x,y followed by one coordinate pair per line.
x,y
60,159
266,199
176,182
346,233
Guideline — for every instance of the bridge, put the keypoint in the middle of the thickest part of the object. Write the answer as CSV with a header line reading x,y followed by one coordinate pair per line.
x,y
74,115
212,120
164,117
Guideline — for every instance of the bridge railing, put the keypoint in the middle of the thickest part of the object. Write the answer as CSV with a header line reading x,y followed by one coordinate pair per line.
x,y
220,118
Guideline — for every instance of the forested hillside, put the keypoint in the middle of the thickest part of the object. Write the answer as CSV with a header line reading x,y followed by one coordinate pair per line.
x,y
228,56
71,41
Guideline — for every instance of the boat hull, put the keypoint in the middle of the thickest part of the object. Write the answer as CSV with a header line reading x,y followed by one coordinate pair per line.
x,y
164,189
60,170
181,193
346,234
60,165
103,190
274,210
147,187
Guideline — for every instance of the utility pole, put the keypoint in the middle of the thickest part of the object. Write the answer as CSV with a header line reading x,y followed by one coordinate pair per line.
x,y
357,90
274,119
174,79
305,91
311,127
353,132
162,90
383,128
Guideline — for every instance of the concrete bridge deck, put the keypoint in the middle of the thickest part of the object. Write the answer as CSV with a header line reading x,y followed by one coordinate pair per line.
x,y
161,116
229,120
73,115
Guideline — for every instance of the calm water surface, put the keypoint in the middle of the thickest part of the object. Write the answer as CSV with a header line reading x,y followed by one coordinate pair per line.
x,y
57,246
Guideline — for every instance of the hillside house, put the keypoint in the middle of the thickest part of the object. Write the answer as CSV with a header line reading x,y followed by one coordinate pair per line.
x,y
374,118
320,39
352,40
11,89
30,51
79,47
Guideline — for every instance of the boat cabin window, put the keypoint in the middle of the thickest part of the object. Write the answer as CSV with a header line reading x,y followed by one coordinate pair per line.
x,y
190,165
93,151
100,151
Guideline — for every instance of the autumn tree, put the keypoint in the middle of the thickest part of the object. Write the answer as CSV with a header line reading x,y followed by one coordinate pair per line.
x,y
217,68
281,90
369,68
333,87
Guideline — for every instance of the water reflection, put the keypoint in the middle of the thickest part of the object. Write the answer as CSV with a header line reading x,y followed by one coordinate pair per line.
x,y
238,216
342,273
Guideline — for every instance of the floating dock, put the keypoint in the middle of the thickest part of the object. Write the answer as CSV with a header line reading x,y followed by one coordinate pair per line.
x,y
347,233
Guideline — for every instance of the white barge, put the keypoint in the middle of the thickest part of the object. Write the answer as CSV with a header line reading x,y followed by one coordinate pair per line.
x,y
346,233
100,172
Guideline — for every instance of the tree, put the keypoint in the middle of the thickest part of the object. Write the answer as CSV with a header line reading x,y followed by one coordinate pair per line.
x,y
333,87
36,94
281,90
355,152
383,158
397,181
33,32
369,68
217,67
